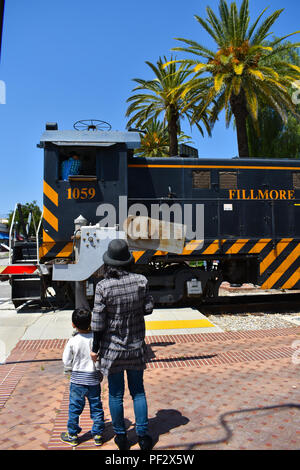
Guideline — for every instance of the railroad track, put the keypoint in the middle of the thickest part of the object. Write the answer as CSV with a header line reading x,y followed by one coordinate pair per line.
x,y
271,303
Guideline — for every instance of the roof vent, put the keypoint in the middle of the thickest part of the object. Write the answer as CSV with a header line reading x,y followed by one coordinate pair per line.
x,y
51,126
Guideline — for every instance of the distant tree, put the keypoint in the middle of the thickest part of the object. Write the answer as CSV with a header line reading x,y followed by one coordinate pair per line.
x,y
27,209
274,138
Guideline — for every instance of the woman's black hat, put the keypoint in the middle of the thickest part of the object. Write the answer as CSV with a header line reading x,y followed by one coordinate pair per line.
x,y
118,254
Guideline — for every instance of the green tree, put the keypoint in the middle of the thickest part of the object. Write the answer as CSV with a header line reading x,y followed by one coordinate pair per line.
x,y
243,72
164,95
276,138
27,209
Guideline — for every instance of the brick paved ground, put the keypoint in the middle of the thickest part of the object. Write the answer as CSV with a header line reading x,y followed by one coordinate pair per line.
x,y
232,390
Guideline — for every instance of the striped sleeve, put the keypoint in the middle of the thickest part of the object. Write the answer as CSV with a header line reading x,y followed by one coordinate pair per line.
x,y
148,302
99,311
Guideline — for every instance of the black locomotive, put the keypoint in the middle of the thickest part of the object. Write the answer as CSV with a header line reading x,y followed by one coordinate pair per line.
x,y
250,225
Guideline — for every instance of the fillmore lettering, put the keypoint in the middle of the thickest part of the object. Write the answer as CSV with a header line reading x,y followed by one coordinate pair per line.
x,y
267,194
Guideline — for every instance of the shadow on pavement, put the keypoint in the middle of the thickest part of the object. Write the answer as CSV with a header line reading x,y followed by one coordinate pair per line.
x,y
228,432
108,433
162,423
32,361
151,355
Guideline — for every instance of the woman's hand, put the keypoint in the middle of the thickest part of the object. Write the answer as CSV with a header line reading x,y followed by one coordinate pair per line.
x,y
94,356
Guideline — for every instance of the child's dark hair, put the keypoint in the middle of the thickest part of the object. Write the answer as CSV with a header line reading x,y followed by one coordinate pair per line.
x,y
82,318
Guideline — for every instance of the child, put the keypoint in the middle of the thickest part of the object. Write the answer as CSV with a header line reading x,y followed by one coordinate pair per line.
x,y
85,380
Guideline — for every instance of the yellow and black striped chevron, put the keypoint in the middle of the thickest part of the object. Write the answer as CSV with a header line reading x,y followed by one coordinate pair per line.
x,y
51,246
279,261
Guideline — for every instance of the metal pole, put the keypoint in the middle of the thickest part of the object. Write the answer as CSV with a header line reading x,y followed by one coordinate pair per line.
x,y
80,286
37,238
10,234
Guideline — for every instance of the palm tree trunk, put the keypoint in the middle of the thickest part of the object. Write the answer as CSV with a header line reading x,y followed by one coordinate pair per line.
x,y
239,109
172,129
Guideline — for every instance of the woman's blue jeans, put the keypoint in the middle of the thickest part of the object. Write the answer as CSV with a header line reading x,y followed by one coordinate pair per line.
x,y
76,406
137,392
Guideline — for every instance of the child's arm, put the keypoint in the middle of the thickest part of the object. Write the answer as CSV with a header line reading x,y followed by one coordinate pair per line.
x,y
68,356
98,323
148,302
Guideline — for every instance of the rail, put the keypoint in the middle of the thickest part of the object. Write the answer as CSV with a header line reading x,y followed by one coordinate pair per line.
x,y
30,220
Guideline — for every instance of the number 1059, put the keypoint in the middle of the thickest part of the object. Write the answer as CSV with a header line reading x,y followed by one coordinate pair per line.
x,y
81,193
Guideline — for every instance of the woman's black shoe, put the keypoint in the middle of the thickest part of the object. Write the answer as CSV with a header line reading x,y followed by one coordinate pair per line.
x,y
145,442
122,442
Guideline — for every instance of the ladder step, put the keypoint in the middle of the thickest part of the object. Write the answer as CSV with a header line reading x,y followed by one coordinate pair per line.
x,y
25,261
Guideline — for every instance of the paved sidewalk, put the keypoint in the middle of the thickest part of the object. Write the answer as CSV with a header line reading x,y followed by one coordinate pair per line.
x,y
28,323
223,390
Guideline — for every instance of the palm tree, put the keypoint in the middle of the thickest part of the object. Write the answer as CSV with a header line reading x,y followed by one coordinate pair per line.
x,y
155,140
164,95
243,72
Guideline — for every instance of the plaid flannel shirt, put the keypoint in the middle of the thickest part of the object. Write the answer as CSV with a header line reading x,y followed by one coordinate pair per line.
x,y
70,167
119,309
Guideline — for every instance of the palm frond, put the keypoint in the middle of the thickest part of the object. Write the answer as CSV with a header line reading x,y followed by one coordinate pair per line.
x,y
224,14
244,20
253,27
217,25
198,48
206,27
252,102
277,41
233,22
262,32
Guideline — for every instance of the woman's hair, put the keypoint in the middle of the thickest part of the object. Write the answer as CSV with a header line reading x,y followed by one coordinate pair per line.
x,y
115,271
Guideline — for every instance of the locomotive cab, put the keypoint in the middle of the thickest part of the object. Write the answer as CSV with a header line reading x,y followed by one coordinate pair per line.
x,y
100,178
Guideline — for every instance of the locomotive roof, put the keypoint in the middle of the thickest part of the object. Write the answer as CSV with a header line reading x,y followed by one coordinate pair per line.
x,y
232,162
92,138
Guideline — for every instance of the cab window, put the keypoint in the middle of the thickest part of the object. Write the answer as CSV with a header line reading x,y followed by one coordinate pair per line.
x,y
73,162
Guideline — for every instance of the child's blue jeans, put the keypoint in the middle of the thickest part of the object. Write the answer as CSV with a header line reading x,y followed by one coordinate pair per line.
x,y
137,392
76,406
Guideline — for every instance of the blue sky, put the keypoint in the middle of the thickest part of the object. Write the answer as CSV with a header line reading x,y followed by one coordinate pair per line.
x,y
66,60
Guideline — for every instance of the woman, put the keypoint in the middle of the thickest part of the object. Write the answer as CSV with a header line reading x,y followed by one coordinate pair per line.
x,y
121,301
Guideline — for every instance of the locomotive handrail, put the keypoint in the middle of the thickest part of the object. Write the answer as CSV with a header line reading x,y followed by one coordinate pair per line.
x,y
10,233
36,229
37,238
